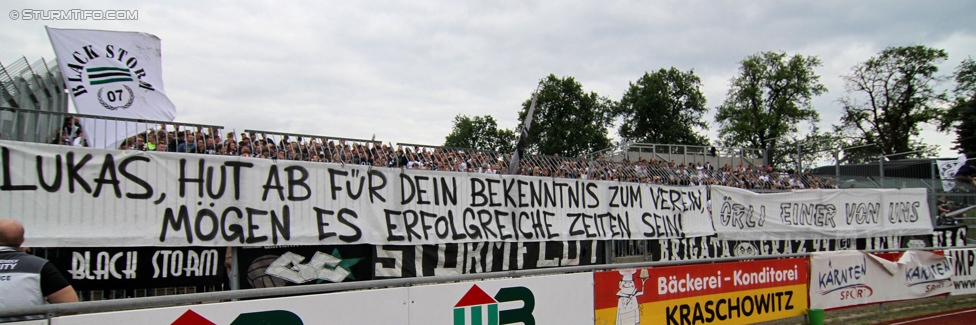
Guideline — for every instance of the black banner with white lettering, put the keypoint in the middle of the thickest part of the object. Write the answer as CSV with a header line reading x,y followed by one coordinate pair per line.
x,y
296,265
392,261
117,268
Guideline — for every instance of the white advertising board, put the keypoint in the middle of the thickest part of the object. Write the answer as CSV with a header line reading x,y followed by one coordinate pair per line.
x,y
851,278
964,265
559,299
384,306
28,322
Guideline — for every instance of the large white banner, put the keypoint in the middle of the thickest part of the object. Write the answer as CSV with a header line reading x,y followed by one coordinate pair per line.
x,y
850,278
117,74
69,196
820,214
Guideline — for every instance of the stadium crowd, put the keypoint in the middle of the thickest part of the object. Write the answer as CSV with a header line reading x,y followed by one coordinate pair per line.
x,y
371,153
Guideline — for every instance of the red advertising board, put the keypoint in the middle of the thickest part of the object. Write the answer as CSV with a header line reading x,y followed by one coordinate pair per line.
x,y
722,293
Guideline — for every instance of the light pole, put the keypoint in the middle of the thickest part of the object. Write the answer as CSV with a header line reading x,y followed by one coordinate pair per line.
x,y
799,158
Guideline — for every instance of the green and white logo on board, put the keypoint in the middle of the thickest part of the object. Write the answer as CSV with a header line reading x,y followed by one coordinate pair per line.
x,y
478,308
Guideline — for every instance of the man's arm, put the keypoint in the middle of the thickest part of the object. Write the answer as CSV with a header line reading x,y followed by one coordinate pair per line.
x,y
64,295
56,287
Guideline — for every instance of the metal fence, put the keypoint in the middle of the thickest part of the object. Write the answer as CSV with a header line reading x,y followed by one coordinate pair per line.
x,y
30,125
688,155
306,147
37,85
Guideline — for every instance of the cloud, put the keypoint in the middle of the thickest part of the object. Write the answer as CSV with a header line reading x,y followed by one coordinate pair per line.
x,y
403,70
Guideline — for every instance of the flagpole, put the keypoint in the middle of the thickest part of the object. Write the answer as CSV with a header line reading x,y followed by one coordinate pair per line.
x,y
523,134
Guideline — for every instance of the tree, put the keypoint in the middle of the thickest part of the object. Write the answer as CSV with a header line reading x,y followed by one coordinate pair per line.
x,y
812,150
766,101
890,96
962,114
966,129
664,107
567,121
856,150
481,133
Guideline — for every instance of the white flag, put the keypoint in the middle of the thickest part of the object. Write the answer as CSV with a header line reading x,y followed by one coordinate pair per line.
x,y
116,74
948,170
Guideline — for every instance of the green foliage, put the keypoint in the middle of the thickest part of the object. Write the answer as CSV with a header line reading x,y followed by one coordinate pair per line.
x,y
567,121
966,129
855,150
890,96
966,79
766,101
480,133
664,107
818,147
962,114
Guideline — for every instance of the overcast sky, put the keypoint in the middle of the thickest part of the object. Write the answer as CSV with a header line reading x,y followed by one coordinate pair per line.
x,y
403,69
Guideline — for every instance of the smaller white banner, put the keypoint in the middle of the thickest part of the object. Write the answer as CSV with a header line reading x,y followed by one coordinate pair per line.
x,y
739,214
851,278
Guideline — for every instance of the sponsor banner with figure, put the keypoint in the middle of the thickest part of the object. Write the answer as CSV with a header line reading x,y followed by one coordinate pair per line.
x,y
851,278
820,214
392,261
267,267
84,197
110,268
721,293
